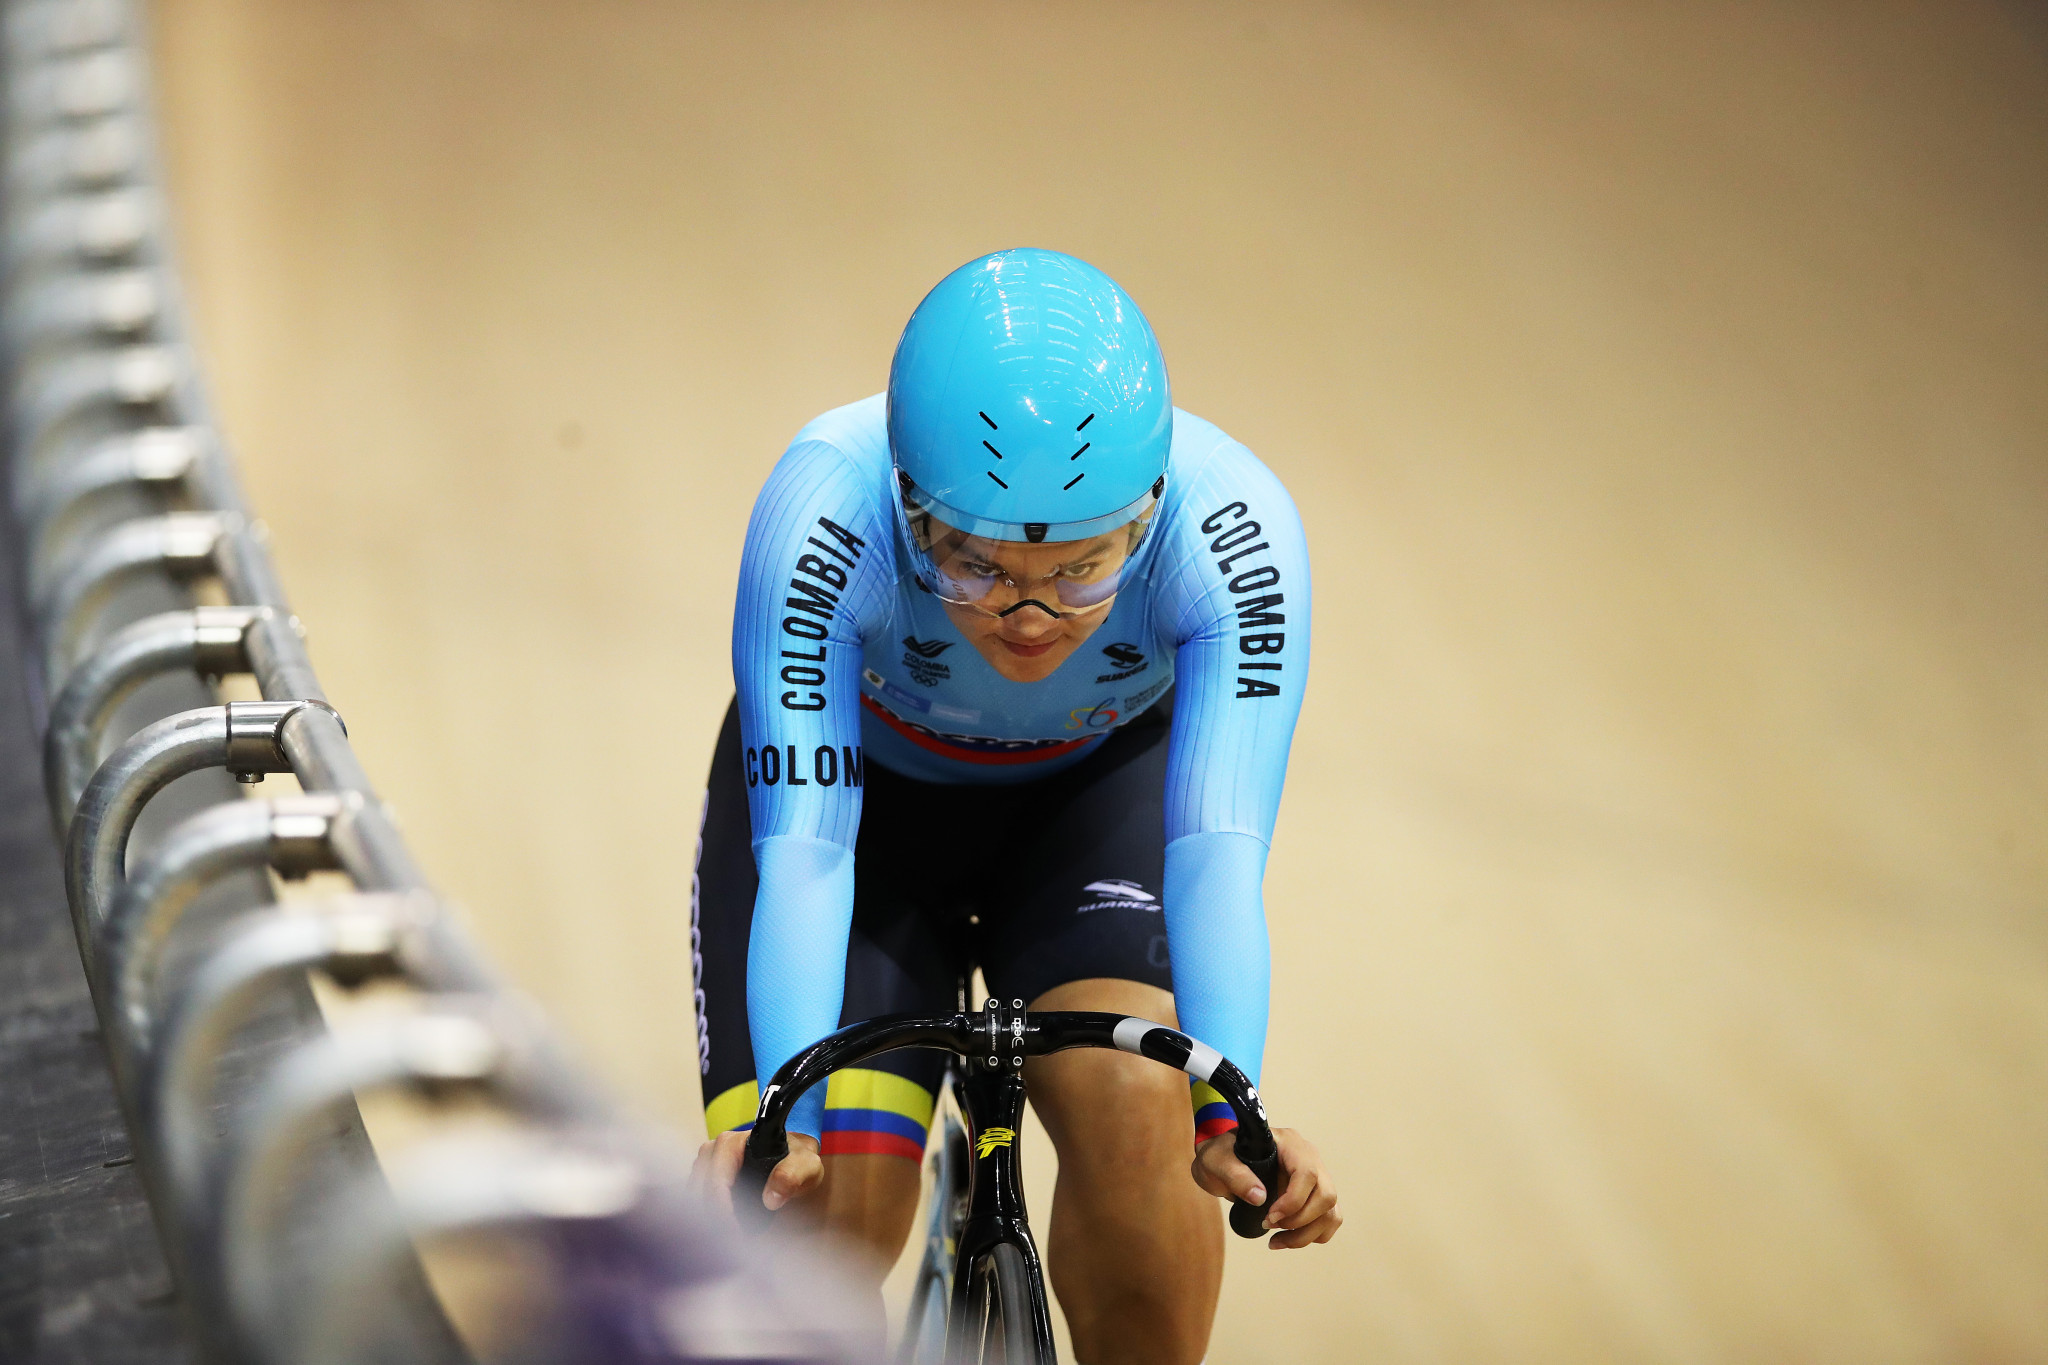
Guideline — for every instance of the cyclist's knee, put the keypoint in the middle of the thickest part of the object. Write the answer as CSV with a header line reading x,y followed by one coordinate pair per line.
x,y
1109,1112
1109,1108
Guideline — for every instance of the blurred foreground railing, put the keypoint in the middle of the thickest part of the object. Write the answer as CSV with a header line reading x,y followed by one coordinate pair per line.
x,y
554,1229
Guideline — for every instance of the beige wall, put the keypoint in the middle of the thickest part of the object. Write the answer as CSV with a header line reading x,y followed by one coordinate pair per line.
x,y
1658,904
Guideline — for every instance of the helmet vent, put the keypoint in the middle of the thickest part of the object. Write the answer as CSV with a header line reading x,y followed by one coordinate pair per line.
x,y
1084,421
1071,482
991,449
993,427
1077,454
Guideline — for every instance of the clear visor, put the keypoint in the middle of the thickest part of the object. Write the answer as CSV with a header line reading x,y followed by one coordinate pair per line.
x,y
1054,570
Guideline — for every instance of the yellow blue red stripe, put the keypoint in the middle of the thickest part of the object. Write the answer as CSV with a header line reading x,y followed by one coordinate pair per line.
x,y
1213,1113
866,1112
871,1112
731,1109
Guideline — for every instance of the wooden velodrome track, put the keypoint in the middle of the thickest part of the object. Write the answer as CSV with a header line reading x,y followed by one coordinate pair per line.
x,y
1666,392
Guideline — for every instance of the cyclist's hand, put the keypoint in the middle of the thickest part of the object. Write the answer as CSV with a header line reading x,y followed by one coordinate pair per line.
x,y
718,1165
1306,1211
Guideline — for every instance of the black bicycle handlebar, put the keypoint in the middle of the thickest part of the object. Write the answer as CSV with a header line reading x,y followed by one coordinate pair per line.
x,y
1001,1039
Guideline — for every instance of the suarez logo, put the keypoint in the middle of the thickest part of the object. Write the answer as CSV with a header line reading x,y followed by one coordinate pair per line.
x,y
926,649
1124,660
991,1138
1097,717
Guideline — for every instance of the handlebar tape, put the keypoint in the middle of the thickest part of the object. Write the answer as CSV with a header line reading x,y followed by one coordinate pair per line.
x,y
1249,1220
1254,1143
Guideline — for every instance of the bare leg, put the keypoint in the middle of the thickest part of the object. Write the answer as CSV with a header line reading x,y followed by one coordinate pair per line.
x,y
1135,1250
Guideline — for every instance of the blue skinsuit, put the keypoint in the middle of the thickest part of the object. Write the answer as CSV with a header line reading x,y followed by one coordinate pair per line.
x,y
833,651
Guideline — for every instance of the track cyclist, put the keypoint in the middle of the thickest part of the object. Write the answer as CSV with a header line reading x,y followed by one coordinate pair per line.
x,y
1019,650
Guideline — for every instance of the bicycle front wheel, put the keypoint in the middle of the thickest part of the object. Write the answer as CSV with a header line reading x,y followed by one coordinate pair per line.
x,y
925,1342
1000,1306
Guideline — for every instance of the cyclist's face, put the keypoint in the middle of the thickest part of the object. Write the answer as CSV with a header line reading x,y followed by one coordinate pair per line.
x,y
1035,604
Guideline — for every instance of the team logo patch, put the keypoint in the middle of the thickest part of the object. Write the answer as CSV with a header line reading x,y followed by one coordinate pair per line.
x,y
1124,661
1116,893
920,658
991,1138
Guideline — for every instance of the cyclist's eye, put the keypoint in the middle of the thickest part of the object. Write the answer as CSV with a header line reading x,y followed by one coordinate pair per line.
x,y
1087,570
977,570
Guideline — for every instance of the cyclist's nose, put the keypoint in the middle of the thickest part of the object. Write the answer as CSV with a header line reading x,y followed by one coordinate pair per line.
x,y
1028,605
1014,601
1028,625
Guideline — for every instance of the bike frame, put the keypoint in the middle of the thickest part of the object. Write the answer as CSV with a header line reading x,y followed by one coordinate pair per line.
x,y
992,1107
989,1083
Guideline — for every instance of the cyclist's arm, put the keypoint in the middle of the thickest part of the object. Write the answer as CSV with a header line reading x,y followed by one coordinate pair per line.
x,y
1241,598
813,569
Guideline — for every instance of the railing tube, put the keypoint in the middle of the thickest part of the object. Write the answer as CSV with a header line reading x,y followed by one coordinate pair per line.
x,y
181,545
292,836
96,847
156,458
133,377
467,1184
456,1044
353,938
210,641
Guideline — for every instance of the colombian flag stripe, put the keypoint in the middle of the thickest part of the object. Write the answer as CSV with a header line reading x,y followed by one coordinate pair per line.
x,y
732,1109
874,1121
1213,1113
860,1087
858,1100
966,753
871,1144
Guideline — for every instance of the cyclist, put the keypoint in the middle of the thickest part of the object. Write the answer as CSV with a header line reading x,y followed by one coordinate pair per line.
x,y
1019,650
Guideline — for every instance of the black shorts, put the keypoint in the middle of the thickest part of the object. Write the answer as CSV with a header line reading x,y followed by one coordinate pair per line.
x,y
1074,896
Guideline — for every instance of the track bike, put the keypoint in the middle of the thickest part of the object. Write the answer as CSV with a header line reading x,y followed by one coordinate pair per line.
x,y
980,1296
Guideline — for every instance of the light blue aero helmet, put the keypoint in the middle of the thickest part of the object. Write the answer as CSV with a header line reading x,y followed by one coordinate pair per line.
x,y
1028,401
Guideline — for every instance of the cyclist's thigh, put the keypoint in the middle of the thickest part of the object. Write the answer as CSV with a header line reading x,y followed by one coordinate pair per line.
x,y
1089,906
900,960
883,1107
893,965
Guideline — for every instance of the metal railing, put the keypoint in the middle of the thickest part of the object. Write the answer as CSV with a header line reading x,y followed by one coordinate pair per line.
x,y
148,582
